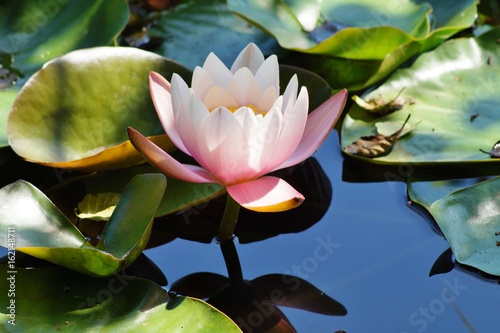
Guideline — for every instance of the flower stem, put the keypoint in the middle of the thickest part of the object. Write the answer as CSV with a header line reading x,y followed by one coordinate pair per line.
x,y
228,222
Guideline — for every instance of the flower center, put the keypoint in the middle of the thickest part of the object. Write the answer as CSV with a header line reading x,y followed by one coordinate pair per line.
x,y
251,106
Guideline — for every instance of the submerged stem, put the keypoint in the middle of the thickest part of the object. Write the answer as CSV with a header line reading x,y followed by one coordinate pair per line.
x,y
228,222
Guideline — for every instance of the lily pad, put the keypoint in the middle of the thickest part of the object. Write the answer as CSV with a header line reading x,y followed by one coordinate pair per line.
x,y
72,302
42,231
98,207
470,220
359,42
74,112
192,24
455,90
35,32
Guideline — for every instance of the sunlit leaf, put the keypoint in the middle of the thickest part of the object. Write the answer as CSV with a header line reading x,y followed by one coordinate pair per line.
x,y
456,88
357,43
44,232
35,32
98,207
470,220
74,112
54,299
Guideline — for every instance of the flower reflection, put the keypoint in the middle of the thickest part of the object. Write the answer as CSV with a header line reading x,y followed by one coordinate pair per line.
x,y
254,304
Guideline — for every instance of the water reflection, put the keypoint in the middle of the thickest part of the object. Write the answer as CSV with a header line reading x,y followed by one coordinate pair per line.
x,y
254,304
308,178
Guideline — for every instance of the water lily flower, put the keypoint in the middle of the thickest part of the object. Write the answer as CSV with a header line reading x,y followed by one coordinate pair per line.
x,y
235,124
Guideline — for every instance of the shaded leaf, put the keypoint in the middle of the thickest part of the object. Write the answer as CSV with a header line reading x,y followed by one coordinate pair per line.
x,y
375,145
194,22
53,299
443,264
83,126
97,207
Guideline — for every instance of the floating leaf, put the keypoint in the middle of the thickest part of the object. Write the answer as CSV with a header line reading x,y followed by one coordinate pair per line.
x,y
357,43
443,104
74,112
470,220
192,23
375,145
44,232
495,151
379,105
98,206
55,299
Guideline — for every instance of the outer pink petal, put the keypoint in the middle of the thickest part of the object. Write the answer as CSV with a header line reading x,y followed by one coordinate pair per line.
x,y
166,163
319,124
160,93
266,194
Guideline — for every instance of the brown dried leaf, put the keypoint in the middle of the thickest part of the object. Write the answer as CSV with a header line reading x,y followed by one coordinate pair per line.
x,y
374,145
381,106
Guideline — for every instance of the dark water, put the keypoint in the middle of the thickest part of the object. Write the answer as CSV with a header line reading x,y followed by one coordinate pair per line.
x,y
371,252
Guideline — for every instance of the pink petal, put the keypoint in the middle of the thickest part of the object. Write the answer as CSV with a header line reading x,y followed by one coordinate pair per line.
x,y
266,194
160,93
319,124
224,149
166,163
250,57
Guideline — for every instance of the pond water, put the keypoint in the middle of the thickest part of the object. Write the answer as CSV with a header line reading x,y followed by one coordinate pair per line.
x,y
371,252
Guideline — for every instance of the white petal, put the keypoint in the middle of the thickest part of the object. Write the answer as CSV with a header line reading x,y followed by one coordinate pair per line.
x,y
267,99
250,57
201,82
217,71
268,74
263,144
217,96
290,94
294,123
245,88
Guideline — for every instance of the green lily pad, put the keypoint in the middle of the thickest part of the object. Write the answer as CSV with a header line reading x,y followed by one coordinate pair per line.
x,y
360,42
98,206
470,220
178,195
56,299
74,112
7,97
454,92
193,24
36,32
42,231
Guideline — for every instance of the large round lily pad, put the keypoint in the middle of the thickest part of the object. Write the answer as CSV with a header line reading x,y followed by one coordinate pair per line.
x,y
74,112
54,299
452,94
